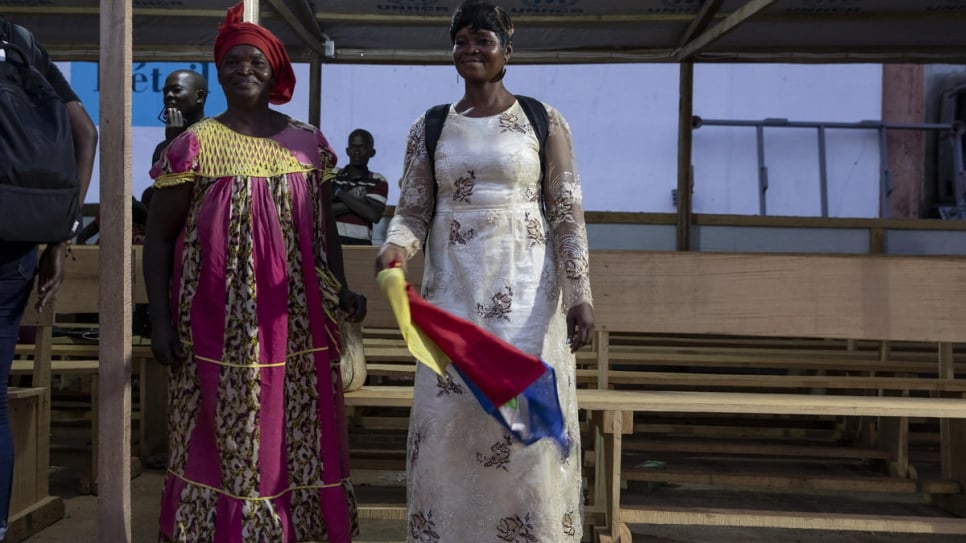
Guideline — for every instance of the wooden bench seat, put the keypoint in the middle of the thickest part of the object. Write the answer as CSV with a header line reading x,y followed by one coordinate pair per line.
x,y
757,340
714,402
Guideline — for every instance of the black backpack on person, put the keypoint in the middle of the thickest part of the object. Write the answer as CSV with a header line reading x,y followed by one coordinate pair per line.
x,y
536,113
39,186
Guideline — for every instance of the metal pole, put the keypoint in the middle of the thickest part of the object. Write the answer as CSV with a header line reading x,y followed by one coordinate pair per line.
x,y
885,181
822,171
762,171
685,137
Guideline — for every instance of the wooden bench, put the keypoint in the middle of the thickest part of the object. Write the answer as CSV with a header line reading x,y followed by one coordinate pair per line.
x,y
858,298
853,301
32,508
62,357
862,305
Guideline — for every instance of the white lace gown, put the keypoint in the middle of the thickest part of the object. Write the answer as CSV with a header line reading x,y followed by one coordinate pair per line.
x,y
495,259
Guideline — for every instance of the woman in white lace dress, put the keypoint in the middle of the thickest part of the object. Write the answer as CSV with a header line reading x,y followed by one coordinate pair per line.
x,y
508,252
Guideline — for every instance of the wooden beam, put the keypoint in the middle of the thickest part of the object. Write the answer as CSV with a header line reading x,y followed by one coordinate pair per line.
x,y
310,36
736,19
114,417
709,9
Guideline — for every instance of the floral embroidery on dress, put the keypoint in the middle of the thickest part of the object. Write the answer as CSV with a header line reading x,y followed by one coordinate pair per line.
x,y
516,530
446,385
456,237
422,527
500,308
534,230
463,187
532,193
415,454
577,268
568,524
511,123
500,456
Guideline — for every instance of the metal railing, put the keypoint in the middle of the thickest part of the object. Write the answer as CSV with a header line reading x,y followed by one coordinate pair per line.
x,y
952,130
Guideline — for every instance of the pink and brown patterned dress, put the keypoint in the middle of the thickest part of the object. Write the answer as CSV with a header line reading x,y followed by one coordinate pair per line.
x,y
258,444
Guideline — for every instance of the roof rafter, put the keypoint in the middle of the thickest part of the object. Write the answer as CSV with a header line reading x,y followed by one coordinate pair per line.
x,y
736,19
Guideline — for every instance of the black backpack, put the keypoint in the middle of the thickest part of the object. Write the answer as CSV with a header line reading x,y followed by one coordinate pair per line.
x,y
533,108
39,186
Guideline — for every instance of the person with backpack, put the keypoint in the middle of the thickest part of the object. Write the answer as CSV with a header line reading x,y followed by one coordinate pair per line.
x,y
19,260
490,190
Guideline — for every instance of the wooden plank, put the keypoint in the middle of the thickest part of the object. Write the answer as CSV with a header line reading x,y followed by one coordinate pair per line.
x,y
26,522
114,294
793,481
719,380
788,404
846,297
382,512
700,516
718,447
57,367
713,402
24,412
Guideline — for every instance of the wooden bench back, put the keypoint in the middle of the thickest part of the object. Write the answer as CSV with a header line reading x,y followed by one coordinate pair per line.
x,y
359,263
849,297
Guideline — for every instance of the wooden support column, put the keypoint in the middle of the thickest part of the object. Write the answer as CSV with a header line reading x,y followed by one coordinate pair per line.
x,y
114,416
603,358
610,426
893,432
902,102
685,113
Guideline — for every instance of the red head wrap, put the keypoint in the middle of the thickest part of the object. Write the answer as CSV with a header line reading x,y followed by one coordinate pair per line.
x,y
233,31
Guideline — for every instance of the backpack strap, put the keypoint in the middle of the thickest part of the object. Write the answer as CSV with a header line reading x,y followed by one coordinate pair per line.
x,y
540,122
434,119
536,114
535,111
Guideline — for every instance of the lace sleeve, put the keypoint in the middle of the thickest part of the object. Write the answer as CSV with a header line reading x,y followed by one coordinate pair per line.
x,y
565,213
417,197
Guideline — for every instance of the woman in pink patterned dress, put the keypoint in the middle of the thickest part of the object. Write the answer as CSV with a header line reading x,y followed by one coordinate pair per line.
x,y
244,273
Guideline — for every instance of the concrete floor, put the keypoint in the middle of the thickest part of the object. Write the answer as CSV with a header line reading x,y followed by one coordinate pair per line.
x,y
80,523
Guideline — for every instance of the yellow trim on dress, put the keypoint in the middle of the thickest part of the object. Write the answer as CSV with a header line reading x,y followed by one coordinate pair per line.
x,y
173,179
222,152
268,365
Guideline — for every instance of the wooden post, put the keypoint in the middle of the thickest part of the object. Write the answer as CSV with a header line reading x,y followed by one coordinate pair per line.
x,y
315,91
685,112
952,441
902,102
114,416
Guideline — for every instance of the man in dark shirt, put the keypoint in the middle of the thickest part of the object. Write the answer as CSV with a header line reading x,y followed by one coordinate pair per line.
x,y
19,262
360,195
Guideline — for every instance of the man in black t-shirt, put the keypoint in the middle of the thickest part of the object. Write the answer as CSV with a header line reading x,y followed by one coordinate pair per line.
x,y
19,262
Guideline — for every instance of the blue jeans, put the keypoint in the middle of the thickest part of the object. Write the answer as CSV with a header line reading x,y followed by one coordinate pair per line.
x,y
18,264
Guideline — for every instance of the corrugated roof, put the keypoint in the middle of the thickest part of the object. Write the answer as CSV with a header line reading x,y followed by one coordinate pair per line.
x,y
548,31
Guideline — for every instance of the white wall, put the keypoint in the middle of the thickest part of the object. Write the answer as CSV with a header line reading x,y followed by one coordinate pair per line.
x,y
624,120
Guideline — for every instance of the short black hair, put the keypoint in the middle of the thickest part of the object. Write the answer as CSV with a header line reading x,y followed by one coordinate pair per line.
x,y
482,15
365,134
